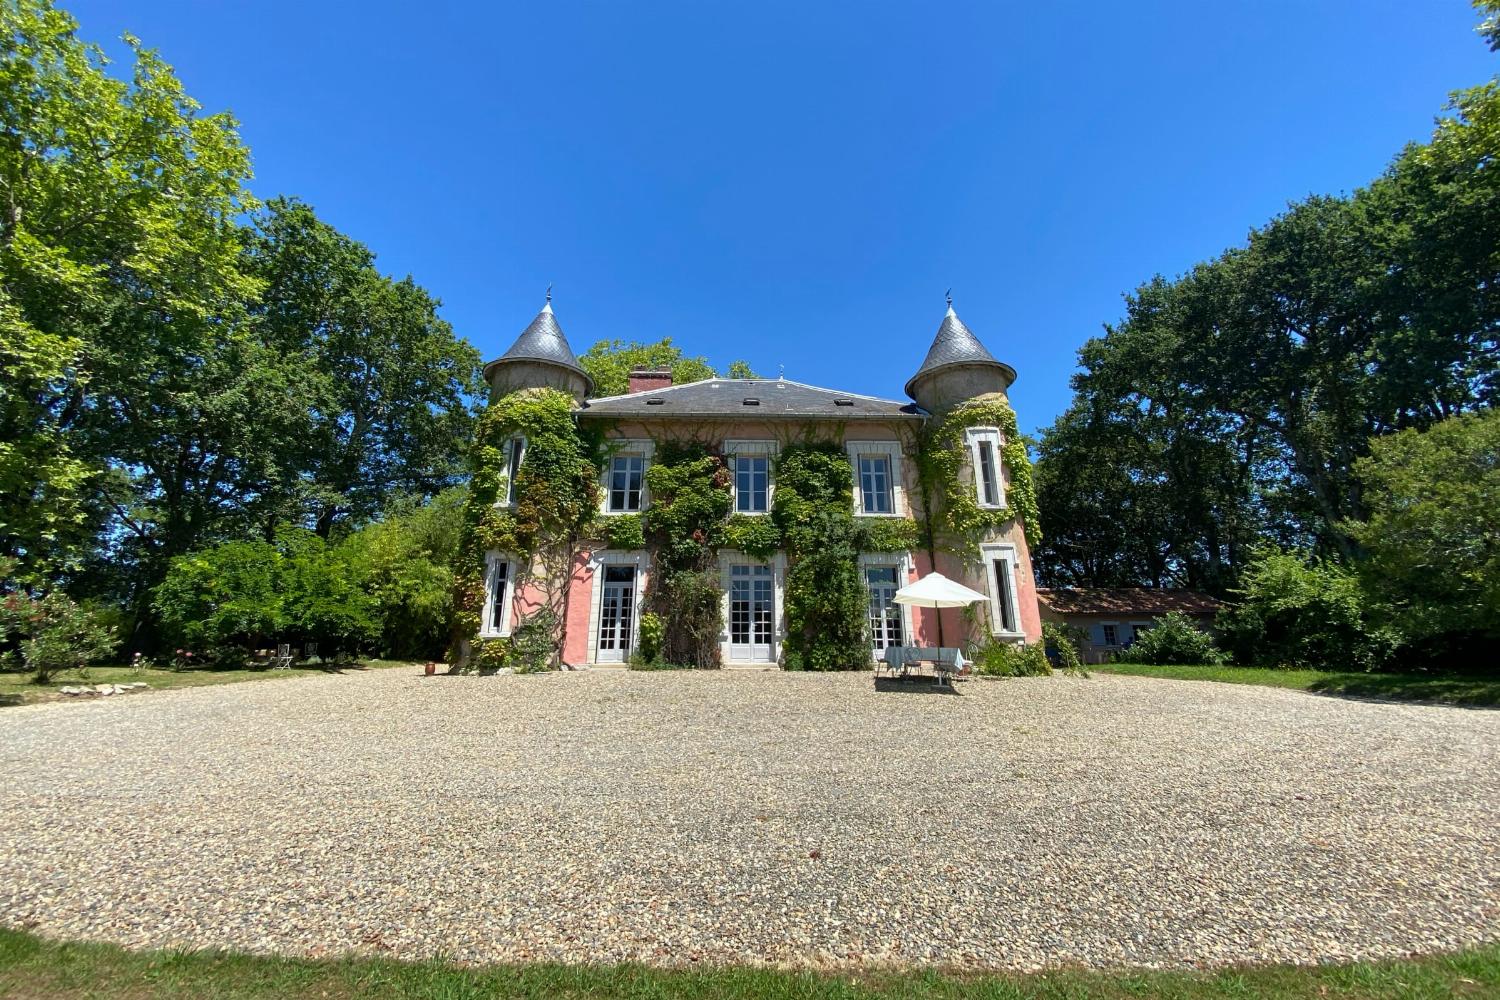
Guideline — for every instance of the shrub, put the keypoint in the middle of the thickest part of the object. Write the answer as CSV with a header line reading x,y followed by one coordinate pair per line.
x,y
1010,659
409,561
226,595
1174,639
533,644
53,634
637,663
653,632
1429,542
1063,644
323,593
1292,613
491,654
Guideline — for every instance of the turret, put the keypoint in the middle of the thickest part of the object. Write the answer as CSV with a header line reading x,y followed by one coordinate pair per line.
x,y
957,368
540,357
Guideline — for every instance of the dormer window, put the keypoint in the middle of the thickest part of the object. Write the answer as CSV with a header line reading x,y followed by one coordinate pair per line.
x,y
751,401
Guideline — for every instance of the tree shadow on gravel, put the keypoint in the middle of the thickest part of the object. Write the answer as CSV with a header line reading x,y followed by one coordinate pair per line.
x,y
1454,692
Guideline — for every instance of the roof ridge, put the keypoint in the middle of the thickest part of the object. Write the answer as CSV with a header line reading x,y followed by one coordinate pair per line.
x,y
660,388
766,381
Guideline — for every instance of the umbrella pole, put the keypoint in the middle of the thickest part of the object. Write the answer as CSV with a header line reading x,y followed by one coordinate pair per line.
x,y
940,623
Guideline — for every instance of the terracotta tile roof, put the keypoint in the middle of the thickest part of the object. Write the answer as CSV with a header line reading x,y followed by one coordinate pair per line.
x,y
1125,601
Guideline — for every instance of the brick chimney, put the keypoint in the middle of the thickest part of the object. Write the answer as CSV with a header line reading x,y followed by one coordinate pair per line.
x,y
646,379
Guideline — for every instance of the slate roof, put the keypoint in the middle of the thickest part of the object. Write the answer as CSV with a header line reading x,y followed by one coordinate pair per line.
x,y
955,344
543,340
726,398
1125,601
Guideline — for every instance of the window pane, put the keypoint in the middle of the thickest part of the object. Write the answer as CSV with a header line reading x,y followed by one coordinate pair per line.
x,y
875,484
988,491
626,474
499,588
1003,597
752,484
517,454
885,613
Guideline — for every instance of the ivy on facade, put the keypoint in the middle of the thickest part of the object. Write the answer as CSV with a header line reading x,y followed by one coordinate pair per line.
x,y
537,523
684,528
825,602
542,520
955,520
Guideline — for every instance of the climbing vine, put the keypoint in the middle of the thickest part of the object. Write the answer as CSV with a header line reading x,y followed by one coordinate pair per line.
x,y
955,520
887,534
753,534
538,524
825,603
551,513
684,527
626,532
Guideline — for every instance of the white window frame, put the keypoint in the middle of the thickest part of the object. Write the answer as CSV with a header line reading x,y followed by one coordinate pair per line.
x,y
619,448
1006,553
902,562
975,437
506,495
731,557
638,558
876,449
487,630
734,450
1104,636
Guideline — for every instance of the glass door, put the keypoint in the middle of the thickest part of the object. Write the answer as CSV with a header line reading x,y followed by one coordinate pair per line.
x,y
750,614
616,614
885,613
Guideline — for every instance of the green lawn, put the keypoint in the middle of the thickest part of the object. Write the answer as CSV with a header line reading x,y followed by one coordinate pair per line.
x,y
18,688
1406,687
37,969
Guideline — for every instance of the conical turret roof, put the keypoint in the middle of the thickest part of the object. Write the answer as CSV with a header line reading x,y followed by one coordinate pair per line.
x,y
543,340
955,344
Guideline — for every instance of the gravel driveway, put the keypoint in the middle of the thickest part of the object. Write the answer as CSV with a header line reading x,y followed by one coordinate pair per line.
x,y
761,817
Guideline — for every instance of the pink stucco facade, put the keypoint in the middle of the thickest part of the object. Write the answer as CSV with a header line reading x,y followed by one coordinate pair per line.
x,y
582,609
751,420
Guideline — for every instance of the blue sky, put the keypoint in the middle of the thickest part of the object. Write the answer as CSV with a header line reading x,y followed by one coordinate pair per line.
x,y
797,183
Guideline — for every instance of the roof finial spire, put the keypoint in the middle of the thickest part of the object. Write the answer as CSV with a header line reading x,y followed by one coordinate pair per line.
x,y
949,296
782,374
549,291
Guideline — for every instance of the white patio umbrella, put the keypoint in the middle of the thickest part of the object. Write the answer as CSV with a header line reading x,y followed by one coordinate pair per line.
x,y
937,591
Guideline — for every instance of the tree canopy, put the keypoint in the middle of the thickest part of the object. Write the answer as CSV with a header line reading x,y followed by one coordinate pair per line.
x,y
182,365
610,362
1232,404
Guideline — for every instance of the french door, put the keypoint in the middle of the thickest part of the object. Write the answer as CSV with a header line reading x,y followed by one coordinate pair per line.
x,y
751,609
616,614
885,613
